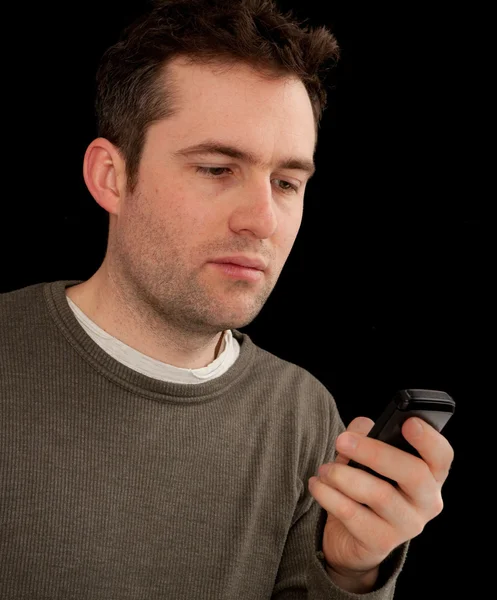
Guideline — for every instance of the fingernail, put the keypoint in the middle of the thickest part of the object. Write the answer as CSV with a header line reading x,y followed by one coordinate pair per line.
x,y
346,441
417,427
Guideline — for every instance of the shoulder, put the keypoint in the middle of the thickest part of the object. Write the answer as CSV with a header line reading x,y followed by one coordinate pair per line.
x,y
294,385
18,303
26,314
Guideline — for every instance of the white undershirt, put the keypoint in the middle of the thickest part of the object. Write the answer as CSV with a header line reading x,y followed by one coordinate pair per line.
x,y
155,368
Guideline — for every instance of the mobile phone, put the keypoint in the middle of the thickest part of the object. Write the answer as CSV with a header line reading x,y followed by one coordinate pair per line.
x,y
433,406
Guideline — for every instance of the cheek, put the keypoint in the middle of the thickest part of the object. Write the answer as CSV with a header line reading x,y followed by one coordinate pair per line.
x,y
290,230
184,221
175,206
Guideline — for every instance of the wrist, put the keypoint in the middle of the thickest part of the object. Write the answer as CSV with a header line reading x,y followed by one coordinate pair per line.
x,y
358,582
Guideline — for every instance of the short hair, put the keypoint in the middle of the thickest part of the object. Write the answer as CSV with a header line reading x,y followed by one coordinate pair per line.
x,y
132,85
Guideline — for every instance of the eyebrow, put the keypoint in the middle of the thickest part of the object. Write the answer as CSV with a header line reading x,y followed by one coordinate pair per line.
x,y
215,147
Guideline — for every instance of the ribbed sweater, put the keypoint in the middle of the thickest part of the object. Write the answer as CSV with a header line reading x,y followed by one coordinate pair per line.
x,y
118,486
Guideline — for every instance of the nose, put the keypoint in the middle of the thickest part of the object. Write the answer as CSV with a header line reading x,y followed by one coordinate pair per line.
x,y
255,210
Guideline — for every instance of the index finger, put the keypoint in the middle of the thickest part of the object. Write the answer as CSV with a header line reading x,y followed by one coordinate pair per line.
x,y
432,446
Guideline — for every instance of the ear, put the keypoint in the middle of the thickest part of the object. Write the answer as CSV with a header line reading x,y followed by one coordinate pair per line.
x,y
105,174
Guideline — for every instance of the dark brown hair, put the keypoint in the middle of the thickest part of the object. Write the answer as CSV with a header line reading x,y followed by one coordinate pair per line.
x,y
132,87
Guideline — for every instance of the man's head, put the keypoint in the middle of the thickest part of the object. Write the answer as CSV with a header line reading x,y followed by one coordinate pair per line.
x,y
176,210
134,87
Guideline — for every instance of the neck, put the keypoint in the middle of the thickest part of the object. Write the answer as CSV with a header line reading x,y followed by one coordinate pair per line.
x,y
134,326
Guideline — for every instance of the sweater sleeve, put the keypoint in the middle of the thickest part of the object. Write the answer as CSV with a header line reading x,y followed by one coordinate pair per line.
x,y
302,574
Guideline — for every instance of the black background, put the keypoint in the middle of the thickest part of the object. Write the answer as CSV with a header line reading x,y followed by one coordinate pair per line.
x,y
389,284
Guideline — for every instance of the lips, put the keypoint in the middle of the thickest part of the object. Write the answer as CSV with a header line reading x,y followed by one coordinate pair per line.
x,y
243,261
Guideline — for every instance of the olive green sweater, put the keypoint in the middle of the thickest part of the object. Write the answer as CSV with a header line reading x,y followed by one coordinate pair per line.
x,y
118,486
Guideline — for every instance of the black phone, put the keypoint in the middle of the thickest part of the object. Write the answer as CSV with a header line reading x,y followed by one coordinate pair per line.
x,y
433,406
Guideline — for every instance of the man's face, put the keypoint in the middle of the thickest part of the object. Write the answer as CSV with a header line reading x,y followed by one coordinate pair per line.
x,y
192,209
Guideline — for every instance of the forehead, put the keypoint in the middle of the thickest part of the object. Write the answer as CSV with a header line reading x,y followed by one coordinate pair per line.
x,y
239,101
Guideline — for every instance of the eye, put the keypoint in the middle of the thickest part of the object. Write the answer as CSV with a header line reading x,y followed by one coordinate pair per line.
x,y
217,172
290,187
209,171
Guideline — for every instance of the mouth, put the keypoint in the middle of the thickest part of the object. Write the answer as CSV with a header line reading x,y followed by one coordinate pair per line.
x,y
243,261
237,271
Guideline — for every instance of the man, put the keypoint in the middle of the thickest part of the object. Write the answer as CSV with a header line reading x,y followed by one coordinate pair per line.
x,y
150,449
